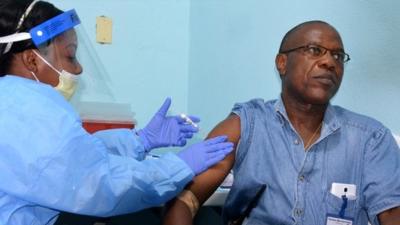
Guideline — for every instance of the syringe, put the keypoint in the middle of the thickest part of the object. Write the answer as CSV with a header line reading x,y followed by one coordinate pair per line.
x,y
188,120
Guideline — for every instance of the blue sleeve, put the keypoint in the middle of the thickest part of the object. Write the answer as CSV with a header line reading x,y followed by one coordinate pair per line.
x,y
246,112
381,186
48,159
82,177
59,165
123,142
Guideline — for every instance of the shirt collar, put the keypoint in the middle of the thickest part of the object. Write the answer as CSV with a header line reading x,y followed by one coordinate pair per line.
x,y
331,120
330,124
281,110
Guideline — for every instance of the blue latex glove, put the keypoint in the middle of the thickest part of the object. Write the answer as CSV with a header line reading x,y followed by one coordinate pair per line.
x,y
202,155
164,131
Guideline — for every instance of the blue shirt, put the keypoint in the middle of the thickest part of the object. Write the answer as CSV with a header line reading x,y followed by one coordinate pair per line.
x,y
352,149
49,163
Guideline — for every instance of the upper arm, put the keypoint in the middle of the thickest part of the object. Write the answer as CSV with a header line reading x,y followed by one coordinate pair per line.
x,y
205,183
381,172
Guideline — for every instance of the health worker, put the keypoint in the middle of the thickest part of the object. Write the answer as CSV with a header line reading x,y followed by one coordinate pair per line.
x,y
48,162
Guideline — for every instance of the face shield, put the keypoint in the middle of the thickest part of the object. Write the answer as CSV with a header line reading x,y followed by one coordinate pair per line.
x,y
73,65
65,48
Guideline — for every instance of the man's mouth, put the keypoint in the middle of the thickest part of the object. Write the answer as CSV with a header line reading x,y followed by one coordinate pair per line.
x,y
326,79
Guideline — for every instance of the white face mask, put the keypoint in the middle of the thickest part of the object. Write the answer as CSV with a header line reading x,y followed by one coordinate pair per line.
x,y
67,81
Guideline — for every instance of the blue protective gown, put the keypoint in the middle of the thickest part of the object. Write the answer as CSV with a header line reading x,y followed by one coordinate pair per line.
x,y
49,163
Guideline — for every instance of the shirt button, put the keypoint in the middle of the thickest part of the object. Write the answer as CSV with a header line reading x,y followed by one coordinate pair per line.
x,y
377,135
301,178
298,212
296,142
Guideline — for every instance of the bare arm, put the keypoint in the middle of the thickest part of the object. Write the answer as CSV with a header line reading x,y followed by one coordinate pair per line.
x,y
204,185
390,217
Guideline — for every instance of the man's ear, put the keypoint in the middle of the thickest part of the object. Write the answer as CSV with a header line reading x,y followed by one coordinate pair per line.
x,y
30,60
280,63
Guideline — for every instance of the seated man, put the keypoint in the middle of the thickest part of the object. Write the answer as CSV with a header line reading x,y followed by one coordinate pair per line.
x,y
319,163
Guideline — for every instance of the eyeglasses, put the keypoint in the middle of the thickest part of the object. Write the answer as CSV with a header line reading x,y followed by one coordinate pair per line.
x,y
317,51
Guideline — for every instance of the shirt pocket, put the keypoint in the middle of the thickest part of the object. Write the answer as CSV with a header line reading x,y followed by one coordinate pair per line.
x,y
334,205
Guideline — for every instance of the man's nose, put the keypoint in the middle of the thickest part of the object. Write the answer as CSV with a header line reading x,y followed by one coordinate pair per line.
x,y
328,62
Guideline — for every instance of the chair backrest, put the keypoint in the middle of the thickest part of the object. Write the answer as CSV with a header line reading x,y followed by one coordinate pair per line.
x,y
397,138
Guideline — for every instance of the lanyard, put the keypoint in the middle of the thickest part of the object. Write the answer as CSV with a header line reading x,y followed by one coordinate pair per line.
x,y
344,204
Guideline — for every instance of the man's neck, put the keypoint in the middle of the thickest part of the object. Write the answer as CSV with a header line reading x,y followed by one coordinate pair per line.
x,y
304,112
306,118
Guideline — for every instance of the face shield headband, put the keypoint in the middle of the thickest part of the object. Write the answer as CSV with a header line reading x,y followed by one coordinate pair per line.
x,y
95,84
45,31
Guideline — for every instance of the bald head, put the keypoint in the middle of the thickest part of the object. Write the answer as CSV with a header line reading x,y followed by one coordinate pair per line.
x,y
310,75
296,32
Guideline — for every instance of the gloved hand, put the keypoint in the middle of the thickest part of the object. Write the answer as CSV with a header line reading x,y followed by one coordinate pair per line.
x,y
164,131
202,155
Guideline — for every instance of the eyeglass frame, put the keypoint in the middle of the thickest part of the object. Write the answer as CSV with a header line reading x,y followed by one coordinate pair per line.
x,y
325,50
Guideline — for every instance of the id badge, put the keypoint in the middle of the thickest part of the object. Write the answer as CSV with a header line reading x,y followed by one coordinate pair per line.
x,y
336,220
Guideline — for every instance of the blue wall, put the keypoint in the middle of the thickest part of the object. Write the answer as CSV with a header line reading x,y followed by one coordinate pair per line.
x,y
208,54
148,58
234,43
